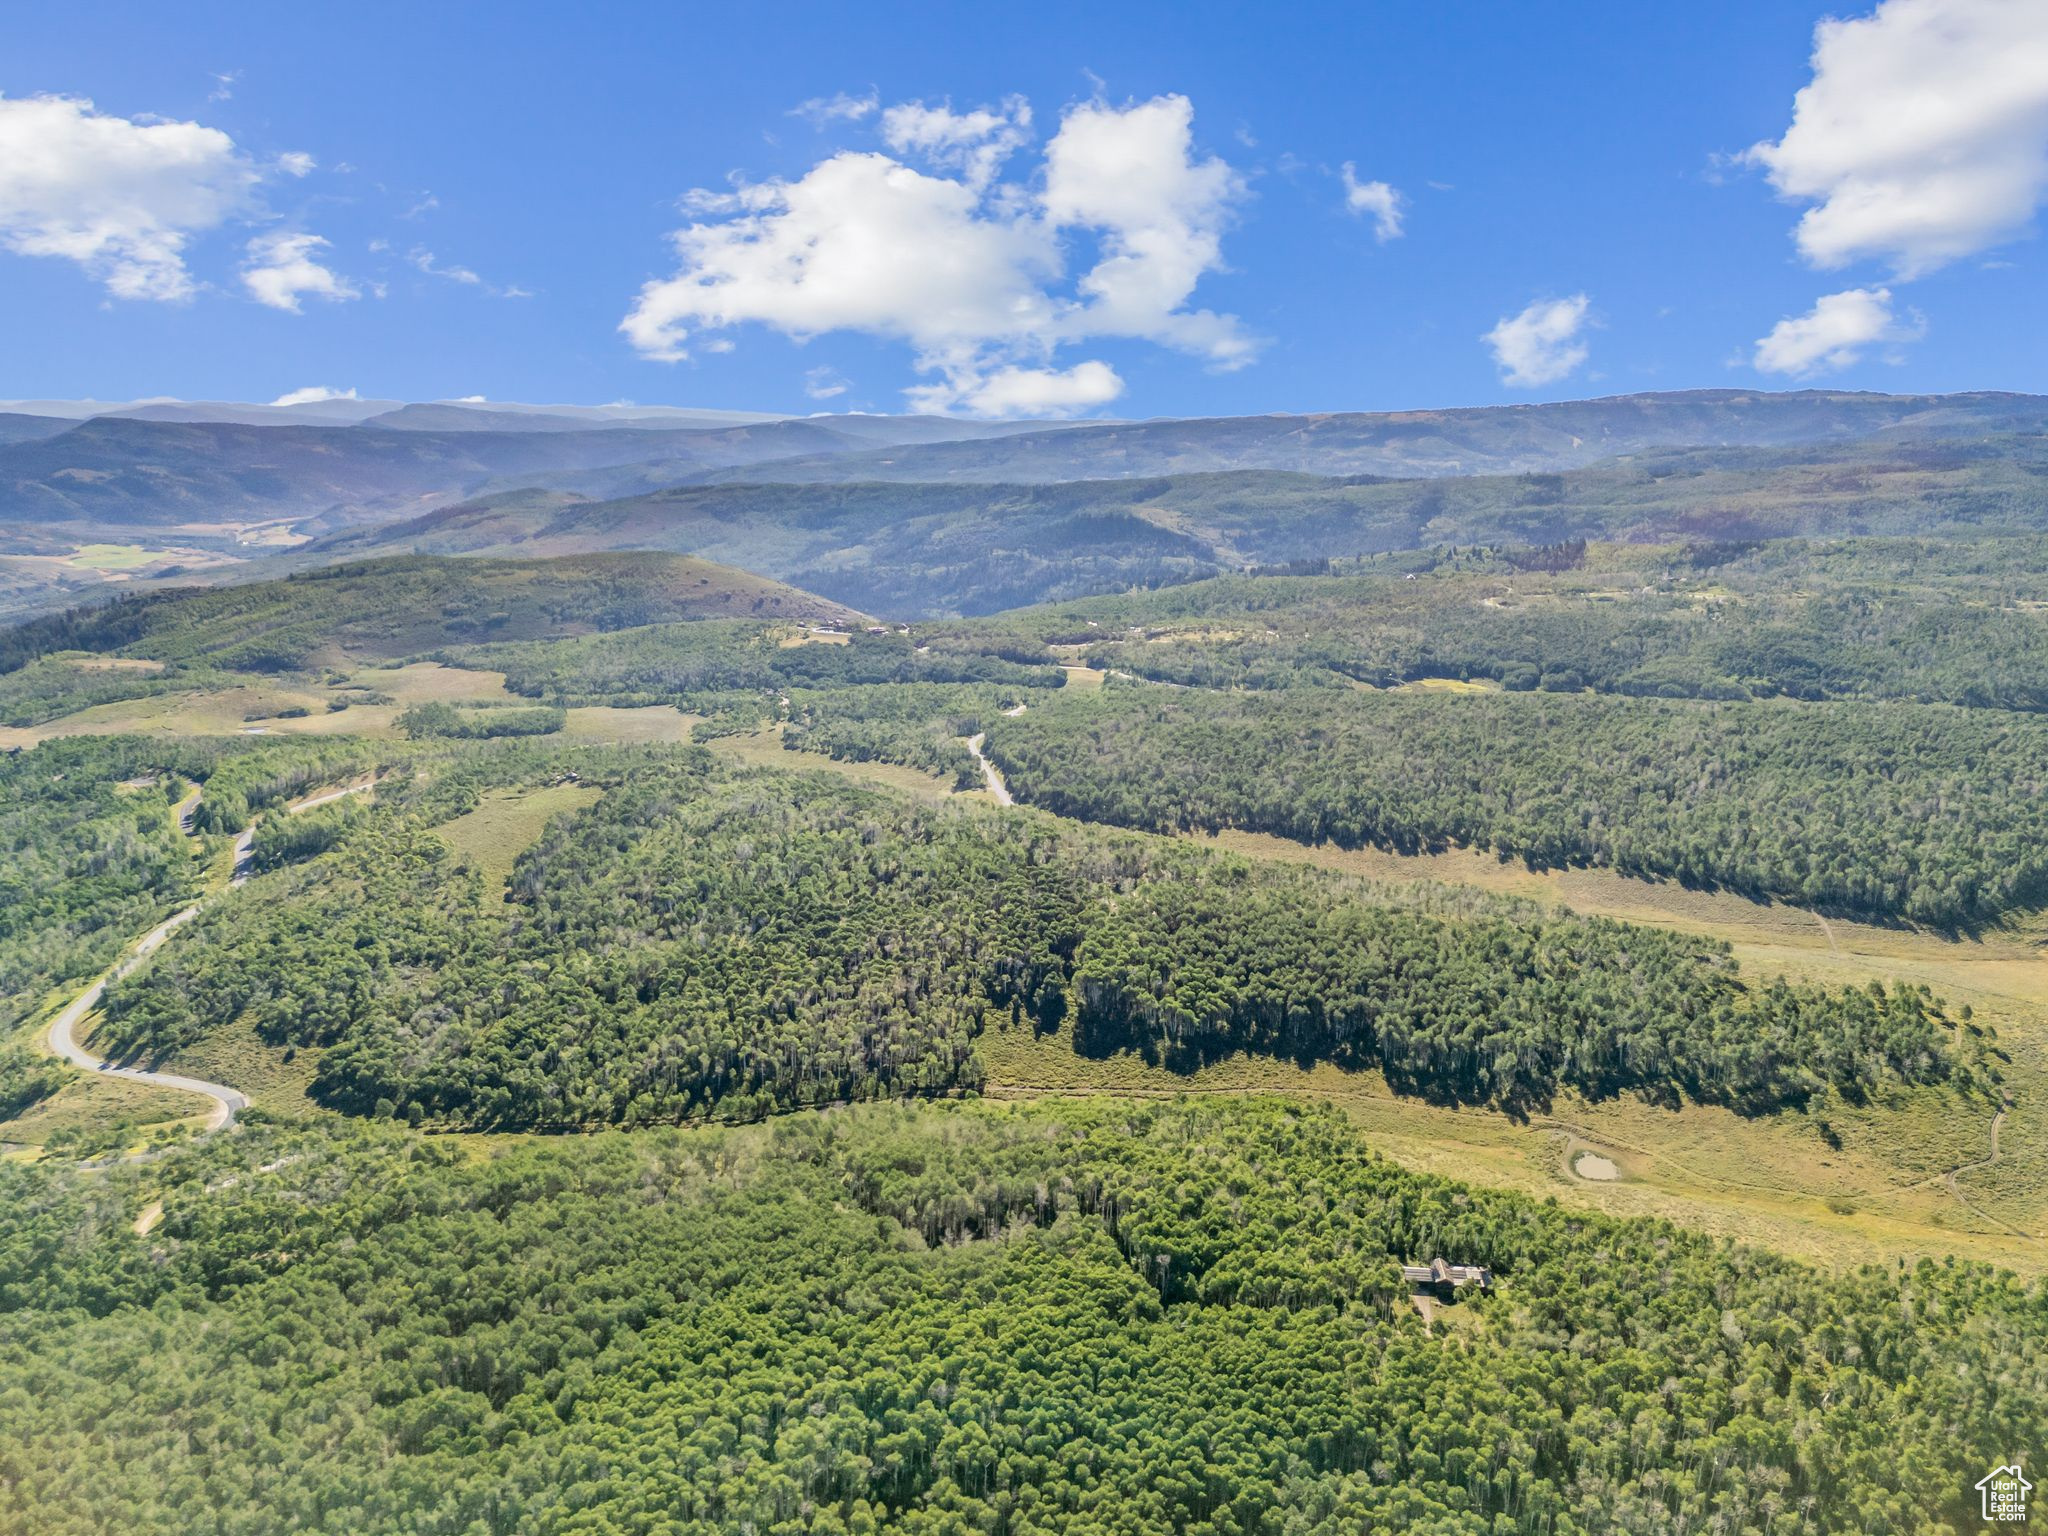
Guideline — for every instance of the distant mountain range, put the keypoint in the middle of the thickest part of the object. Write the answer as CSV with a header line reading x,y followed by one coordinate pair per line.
x,y
914,550
1504,439
918,515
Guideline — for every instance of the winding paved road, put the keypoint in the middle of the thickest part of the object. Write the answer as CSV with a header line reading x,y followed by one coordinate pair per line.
x,y
63,1037
989,773
227,1102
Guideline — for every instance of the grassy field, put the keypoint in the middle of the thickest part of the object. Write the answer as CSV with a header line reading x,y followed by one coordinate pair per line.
x,y
764,749
494,834
103,1114
609,723
274,1078
256,709
1772,1180
113,557
1916,1172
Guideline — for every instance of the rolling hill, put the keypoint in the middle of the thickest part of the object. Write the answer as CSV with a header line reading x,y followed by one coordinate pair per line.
x,y
922,549
375,610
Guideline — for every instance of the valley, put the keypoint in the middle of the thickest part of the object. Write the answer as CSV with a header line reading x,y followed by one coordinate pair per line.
x,y
1523,903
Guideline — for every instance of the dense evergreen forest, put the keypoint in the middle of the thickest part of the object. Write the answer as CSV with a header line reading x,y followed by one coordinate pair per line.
x,y
705,941
1073,1317
1917,811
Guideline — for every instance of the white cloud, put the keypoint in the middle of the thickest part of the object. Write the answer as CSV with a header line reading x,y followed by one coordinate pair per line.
x,y
313,394
121,198
1014,391
223,85
297,162
1834,333
282,268
822,111
1923,136
824,383
1130,174
1386,205
975,143
967,273
424,260
1541,344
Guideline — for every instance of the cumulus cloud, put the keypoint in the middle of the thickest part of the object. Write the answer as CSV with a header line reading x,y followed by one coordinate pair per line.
x,y
1386,206
1130,174
1543,343
1835,333
313,394
1923,135
281,269
971,274
975,143
1014,391
297,162
120,197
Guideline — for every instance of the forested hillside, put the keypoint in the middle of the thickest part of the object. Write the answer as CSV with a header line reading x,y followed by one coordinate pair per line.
x,y
914,550
1955,620
91,856
1924,812
700,942
369,610
615,1040
1148,1319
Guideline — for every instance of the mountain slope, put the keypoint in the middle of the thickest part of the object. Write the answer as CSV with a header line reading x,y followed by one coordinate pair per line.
x,y
382,609
112,472
922,549
1485,440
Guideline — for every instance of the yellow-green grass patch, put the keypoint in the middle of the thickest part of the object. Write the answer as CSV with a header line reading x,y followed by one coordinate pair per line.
x,y
277,1079
764,749
111,1113
619,724
1773,1179
113,557
507,823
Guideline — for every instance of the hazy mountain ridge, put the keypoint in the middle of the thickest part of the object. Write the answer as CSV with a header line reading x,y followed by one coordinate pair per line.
x,y
1506,439
922,549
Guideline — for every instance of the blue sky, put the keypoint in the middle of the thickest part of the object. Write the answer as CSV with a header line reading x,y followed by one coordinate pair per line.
x,y
496,187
